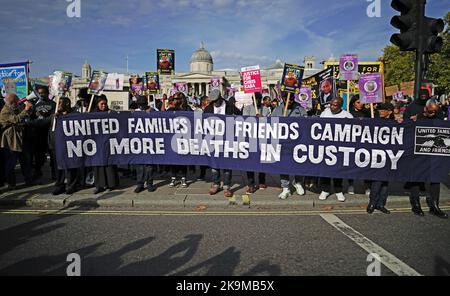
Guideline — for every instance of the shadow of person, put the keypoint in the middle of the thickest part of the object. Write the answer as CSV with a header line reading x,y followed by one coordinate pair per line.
x,y
223,264
264,268
54,265
441,267
173,258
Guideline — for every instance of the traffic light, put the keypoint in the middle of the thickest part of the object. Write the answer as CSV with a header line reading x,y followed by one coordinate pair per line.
x,y
416,30
407,22
431,29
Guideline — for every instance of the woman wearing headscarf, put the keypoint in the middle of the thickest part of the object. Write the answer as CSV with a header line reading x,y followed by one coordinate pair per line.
x,y
106,177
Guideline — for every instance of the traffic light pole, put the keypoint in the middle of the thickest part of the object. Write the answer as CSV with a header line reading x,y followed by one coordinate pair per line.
x,y
420,47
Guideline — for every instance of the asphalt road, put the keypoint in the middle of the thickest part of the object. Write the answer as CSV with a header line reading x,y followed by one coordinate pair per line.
x,y
144,243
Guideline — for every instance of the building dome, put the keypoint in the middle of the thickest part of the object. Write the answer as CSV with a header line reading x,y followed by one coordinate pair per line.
x,y
201,55
202,61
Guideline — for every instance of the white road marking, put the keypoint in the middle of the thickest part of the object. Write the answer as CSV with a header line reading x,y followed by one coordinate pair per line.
x,y
387,259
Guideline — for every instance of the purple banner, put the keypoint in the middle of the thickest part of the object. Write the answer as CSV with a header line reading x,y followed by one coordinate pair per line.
x,y
345,148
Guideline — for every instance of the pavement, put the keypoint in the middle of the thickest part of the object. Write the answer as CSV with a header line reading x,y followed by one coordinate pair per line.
x,y
196,196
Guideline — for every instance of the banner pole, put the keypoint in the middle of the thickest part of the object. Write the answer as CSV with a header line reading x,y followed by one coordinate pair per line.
x,y
90,104
56,111
287,104
348,95
372,111
256,105
148,101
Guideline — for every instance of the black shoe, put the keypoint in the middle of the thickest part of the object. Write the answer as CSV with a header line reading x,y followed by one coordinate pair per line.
x,y
435,211
37,175
383,210
418,211
11,187
370,209
139,189
99,190
151,188
70,191
58,191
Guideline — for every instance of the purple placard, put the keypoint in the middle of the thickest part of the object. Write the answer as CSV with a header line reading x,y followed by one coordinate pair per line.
x,y
348,67
371,88
304,98
215,83
182,87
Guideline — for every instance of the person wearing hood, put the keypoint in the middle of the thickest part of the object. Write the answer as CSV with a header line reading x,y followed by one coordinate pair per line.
x,y
293,110
430,112
417,107
219,106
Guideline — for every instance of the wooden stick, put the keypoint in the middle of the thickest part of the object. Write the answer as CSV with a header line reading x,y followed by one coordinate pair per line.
x,y
348,96
372,111
287,104
56,111
256,105
148,101
90,104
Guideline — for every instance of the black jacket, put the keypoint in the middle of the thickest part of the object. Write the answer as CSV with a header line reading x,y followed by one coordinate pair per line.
x,y
230,109
414,109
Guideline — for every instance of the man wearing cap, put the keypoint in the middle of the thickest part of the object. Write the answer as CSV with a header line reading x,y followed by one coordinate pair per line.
x,y
379,189
219,106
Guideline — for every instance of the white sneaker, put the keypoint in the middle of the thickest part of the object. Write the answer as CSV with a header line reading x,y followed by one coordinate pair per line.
x,y
183,183
340,196
285,194
299,189
351,190
173,182
324,195
368,192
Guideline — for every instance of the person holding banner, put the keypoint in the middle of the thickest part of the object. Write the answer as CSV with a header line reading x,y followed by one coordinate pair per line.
x,y
178,104
430,112
250,110
334,111
106,177
72,175
219,106
144,172
293,110
379,189
12,123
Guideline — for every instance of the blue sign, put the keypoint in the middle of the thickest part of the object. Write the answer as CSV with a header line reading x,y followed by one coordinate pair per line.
x,y
14,79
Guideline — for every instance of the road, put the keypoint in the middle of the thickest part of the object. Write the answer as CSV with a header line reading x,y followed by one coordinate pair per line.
x,y
221,243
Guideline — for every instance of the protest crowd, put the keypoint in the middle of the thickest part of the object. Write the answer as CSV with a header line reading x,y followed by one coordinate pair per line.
x,y
25,126
28,137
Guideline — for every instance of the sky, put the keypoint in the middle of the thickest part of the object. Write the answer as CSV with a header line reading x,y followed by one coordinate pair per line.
x,y
237,32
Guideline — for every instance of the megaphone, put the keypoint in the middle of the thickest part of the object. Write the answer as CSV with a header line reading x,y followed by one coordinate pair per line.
x,y
31,97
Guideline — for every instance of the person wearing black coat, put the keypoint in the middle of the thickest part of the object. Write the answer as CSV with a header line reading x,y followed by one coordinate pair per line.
x,y
430,112
219,106
72,175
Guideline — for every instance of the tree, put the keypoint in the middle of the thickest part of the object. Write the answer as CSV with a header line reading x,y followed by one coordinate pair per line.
x,y
399,65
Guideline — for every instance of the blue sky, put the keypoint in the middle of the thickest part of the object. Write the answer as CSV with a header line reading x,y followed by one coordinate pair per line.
x,y
236,32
